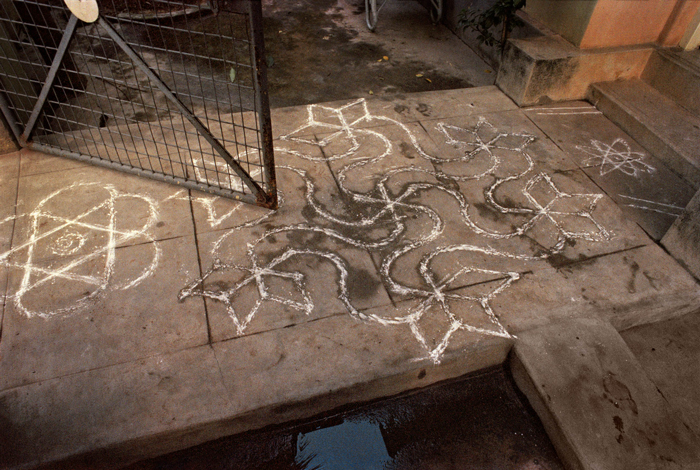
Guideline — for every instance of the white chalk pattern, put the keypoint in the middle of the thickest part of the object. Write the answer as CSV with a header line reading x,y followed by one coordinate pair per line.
x,y
79,250
617,156
503,162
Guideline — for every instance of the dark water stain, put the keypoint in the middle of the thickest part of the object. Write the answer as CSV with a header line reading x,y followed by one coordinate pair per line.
x,y
407,150
424,109
559,260
619,394
634,269
309,213
400,109
448,182
652,280
486,211
481,419
362,284
317,58
620,426
306,239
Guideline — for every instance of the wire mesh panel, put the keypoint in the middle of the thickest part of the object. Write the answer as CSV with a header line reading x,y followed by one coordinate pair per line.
x,y
173,90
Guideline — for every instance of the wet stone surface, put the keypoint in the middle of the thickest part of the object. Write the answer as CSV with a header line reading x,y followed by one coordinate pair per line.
x,y
321,51
407,240
477,422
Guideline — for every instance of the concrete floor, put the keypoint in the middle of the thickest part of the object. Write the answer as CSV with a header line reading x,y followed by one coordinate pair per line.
x,y
322,51
418,238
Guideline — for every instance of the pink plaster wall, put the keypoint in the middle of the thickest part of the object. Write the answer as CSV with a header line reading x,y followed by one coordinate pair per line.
x,y
629,22
679,22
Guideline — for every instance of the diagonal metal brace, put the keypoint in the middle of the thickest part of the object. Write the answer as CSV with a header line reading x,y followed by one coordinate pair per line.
x,y
48,83
260,194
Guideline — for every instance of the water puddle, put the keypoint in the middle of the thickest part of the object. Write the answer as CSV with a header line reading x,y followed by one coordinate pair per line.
x,y
351,444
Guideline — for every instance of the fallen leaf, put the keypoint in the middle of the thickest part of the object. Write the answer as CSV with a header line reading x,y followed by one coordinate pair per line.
x,y
385,58
487,71
379,60
232,75
419,75
428,80
371,92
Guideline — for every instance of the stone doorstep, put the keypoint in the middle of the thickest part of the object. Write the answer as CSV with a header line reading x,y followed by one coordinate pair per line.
x,y
665,129
677,76
547,69
110,417
596,402
683,238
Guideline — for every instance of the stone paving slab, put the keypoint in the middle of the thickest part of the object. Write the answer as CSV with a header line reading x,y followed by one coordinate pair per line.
x,y
98,409
669,352
645,189
140,409
406,108
9,167
85,198
683,238
36,163
628,288
599,407
45,336
407,248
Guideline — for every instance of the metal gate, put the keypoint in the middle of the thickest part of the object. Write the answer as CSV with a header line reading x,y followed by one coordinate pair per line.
x,y
167,89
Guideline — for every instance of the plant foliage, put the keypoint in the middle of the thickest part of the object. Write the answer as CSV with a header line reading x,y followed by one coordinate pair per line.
x,y
503,12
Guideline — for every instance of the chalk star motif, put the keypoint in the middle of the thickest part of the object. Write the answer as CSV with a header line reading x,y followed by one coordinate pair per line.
x,y
562,206
255,276
340,122
68,234
483,137
438,301
617,156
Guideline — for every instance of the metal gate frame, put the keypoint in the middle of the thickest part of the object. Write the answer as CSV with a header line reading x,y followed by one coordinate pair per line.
x,y
265,197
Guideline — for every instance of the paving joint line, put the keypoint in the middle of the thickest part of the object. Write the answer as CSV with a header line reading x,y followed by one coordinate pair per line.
x,y
199,263
148,242
328,164
600,255
556,144
12,237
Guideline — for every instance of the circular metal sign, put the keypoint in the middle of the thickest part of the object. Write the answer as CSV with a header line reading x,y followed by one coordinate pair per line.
x,y
85,10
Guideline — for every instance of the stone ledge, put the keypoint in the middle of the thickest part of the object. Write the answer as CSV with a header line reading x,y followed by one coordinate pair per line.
x,y
547,69
683,238
120,414
596,402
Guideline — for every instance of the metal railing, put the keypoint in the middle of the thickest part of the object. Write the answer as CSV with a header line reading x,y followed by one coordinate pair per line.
x,y
171,90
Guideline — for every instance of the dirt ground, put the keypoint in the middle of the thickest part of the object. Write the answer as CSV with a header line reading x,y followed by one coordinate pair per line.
x,y
321,50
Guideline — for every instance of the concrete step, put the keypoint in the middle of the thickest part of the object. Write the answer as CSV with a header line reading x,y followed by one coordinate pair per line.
x,y
596,402
683,238
665,129
676,74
